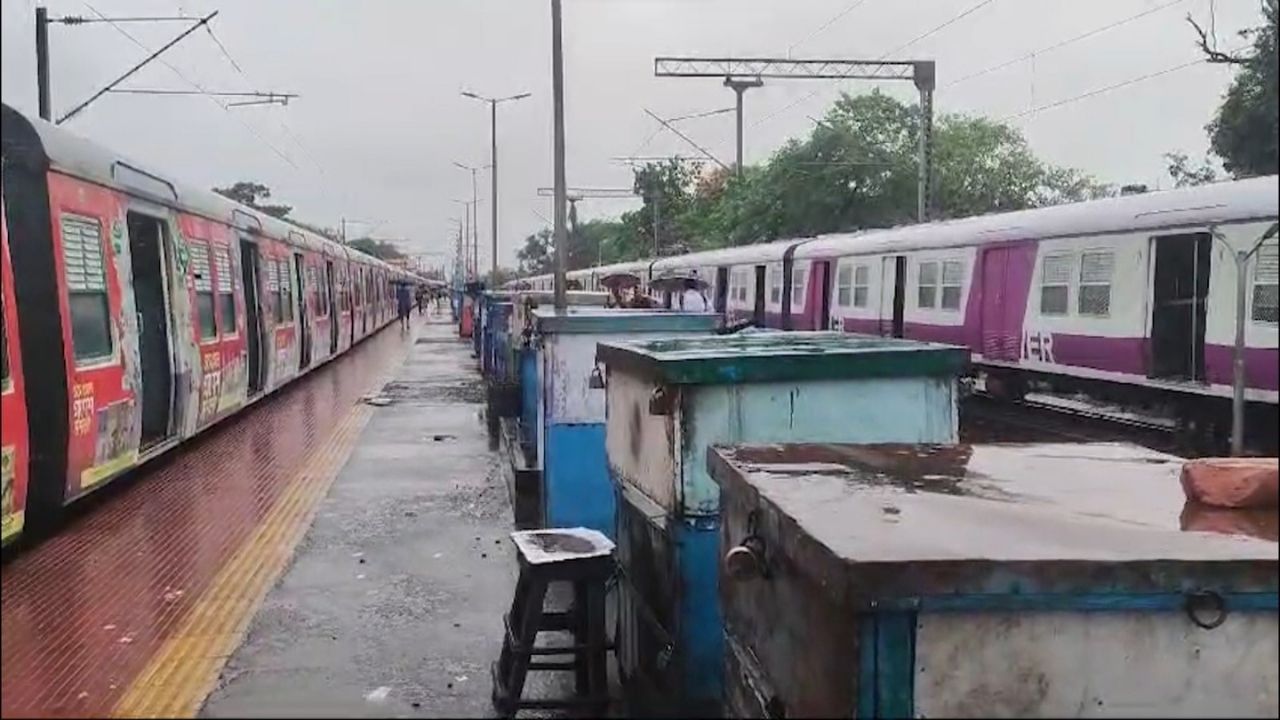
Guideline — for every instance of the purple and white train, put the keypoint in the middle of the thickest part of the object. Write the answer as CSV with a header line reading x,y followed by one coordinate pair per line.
x,y
1131,298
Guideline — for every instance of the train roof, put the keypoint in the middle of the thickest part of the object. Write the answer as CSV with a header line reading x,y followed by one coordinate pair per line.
x,y
72,154
1254,199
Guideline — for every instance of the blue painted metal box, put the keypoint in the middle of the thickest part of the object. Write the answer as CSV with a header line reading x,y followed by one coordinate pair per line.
x,y
989,581
518,435
576,489
668,400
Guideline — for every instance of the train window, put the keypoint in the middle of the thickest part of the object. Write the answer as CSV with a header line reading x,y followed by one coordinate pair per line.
x,y
775,284
86,274
1266,284
798,276
202,276
927,285
1055,284
226,291
861,285
952,284
844,286
1094,297
284,302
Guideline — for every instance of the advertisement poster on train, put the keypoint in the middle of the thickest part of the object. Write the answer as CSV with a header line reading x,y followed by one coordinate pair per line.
x,y
115,445
12,520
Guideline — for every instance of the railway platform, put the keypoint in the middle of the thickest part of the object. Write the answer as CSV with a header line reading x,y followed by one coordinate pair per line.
x,y
339,550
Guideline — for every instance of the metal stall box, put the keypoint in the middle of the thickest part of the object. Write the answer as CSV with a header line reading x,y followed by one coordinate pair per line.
x,y
502,393
576,489
987,581
518,436
668,400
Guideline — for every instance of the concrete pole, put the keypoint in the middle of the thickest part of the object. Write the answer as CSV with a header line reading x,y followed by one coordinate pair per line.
x,y
42,63
923,77
557,85
493,178
1237,358
740,88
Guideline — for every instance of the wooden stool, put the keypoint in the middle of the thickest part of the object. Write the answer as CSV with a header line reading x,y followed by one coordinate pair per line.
x,y
583,558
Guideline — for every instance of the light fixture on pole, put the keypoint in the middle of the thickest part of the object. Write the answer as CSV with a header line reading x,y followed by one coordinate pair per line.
x,y
475,202
493,165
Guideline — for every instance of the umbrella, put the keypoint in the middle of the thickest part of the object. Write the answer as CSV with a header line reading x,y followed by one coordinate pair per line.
x,y
678,283
619,281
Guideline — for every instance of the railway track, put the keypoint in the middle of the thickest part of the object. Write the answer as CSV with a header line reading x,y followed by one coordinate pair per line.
x,y
984,418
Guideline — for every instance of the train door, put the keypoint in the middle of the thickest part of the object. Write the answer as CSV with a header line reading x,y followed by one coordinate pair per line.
x,y
148,263
334,315
893,295
722,290
757,313
304,322
1180,286
822,286
252,314
1006,281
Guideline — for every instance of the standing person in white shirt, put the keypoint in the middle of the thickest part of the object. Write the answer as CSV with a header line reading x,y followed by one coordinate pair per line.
x,y
693,299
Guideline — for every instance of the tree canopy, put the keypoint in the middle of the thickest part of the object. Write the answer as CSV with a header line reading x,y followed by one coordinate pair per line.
x,y
1244,131
254,194
384,249
856,169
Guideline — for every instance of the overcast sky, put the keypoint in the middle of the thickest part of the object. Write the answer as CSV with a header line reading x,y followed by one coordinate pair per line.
x,y
381,121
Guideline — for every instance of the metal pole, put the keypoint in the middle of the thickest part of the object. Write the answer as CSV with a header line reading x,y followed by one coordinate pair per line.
x,y
657,202
493,188
1237,359
923,76
202,22
557,85
740,88
738,156
42,62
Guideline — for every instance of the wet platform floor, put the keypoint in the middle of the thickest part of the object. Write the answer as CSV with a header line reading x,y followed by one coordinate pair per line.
x,y
393,605
135,605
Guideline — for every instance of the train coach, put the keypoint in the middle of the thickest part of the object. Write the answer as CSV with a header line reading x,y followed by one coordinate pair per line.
x,y
138,312
1130,299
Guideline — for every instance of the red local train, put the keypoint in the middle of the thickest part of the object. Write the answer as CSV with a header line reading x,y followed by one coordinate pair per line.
x,y
138,312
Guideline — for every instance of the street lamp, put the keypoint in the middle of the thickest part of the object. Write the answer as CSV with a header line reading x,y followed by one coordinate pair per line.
x,y
468,231
475,203
493,164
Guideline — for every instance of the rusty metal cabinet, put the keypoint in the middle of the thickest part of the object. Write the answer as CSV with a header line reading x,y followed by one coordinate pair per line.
x,y
987,581
668,401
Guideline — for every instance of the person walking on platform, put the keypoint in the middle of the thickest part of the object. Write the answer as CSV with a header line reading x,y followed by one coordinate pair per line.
x,y
404,303
420,295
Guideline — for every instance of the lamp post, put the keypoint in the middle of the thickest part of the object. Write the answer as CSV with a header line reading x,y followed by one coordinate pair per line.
x,y
493,165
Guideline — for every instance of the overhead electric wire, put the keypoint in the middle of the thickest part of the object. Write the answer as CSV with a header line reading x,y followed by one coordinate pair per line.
x,y
821,29
1063,43
1099,91
203,91
809,96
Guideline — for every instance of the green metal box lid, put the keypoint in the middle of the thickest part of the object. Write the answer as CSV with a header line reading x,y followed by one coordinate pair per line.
x,y
590,320
763,357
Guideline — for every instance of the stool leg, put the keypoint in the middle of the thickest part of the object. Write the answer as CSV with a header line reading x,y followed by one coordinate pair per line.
x,y
526,636
596,640
514,620
581,631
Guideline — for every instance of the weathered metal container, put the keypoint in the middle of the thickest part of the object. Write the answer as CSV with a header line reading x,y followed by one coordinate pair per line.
x,y
518,435
987,581
576,489
669,400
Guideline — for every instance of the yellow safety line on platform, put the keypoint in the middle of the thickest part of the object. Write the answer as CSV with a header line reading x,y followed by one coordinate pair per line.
x,y
185,669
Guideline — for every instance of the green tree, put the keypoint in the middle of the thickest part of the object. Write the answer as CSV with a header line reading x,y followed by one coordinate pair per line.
x,y
534,256
1186,175
384,249
1244,130
254,194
